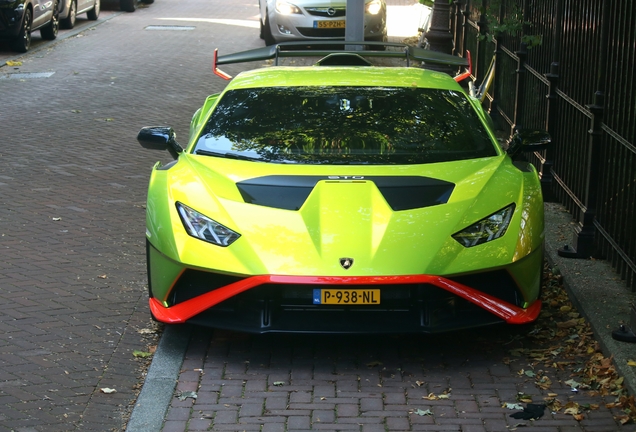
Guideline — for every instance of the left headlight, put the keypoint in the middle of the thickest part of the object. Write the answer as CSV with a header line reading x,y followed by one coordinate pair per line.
x,y
286,8
374,7
487,229
204,228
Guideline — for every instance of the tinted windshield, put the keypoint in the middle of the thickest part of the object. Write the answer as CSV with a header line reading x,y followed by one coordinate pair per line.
x,y
345,125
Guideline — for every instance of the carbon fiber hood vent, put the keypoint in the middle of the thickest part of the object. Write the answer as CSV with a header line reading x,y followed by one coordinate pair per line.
x,y
400,192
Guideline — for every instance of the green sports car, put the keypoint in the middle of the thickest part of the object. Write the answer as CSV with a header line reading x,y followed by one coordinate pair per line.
x,y
343,197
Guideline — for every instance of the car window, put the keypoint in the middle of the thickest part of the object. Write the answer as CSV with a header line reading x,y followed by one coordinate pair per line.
x,y
345,125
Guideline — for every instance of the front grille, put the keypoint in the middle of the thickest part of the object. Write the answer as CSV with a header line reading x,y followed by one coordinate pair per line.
x,y
324,33
193,283
324,12
403,307
497,283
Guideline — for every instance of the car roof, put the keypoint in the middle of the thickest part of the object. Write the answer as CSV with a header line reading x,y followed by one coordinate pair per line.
x,y
361,76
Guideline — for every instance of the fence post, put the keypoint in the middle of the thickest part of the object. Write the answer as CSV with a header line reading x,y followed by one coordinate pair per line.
x,y
439,35
479,60
585,231
522,55
545,168
459,33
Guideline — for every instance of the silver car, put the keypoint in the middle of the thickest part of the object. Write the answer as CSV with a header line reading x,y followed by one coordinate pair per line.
x,y
299,20
69,9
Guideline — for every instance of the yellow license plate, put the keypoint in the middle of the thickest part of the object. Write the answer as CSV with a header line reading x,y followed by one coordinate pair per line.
x,y
347,296
329,24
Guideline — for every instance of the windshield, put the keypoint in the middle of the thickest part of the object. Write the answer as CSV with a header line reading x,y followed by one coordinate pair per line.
x,y
345,125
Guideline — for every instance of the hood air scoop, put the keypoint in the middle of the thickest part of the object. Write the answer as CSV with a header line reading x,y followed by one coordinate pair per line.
x,y
400,192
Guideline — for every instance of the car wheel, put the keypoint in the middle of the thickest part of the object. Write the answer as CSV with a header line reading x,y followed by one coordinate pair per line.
x,y
69,21
22,41
93,14
128,5
49,32
267,32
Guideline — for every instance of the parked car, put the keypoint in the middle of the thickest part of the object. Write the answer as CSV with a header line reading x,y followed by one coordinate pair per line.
x,y
343,198
69,9
19,18
299,20
131,5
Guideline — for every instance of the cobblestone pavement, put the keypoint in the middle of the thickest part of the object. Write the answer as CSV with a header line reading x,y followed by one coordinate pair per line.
x,y
72,186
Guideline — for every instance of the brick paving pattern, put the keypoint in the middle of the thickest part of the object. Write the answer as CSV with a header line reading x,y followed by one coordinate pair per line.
x,y
73,181
72,187
459,382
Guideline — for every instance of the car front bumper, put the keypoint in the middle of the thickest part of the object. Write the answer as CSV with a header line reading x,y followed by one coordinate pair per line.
x,y
283,303
298,28
11,14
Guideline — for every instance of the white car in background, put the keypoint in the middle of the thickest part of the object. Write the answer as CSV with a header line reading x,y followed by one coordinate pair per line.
x,y
69,9
299,20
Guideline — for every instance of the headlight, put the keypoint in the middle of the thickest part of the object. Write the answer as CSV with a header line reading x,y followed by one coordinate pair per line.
x,y
204,228
487,229
285,8
374,7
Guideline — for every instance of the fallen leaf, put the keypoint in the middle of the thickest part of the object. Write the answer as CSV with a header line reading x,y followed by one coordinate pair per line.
x,y
420,412
187,394
525,398
14,63
279,383
623,419
141,354
102,276
568,324
107,390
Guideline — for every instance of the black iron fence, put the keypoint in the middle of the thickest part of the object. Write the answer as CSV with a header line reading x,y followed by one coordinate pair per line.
x,y
579,84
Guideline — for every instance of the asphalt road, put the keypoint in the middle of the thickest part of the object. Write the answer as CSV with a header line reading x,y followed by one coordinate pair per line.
x,y
72,191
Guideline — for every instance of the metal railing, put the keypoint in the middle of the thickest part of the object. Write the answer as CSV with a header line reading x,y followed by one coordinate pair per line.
x,y
579,85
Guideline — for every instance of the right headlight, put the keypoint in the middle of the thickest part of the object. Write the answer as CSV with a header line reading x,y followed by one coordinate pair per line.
x,y
374,7
204,228
487,229
286,8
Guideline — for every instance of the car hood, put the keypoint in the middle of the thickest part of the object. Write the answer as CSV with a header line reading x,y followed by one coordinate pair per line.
x,y
300,219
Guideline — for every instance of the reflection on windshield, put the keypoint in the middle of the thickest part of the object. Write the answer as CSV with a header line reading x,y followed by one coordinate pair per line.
x,y
345,125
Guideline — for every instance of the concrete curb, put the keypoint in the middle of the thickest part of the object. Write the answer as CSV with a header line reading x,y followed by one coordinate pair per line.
x,y
158,389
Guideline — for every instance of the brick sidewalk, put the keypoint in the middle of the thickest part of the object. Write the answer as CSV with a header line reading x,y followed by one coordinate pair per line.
x,y
457,382
73,182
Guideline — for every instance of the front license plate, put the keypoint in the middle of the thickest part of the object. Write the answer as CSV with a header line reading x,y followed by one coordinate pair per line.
x,y
347,296
330,24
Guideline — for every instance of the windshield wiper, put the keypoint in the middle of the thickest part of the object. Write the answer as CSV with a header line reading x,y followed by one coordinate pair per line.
x,y
228,155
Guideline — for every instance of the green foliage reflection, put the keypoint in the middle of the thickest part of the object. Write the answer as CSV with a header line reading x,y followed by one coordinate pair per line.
x,y
340,125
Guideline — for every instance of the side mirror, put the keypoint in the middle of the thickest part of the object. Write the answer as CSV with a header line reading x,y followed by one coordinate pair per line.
x,y
528,140
160,138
